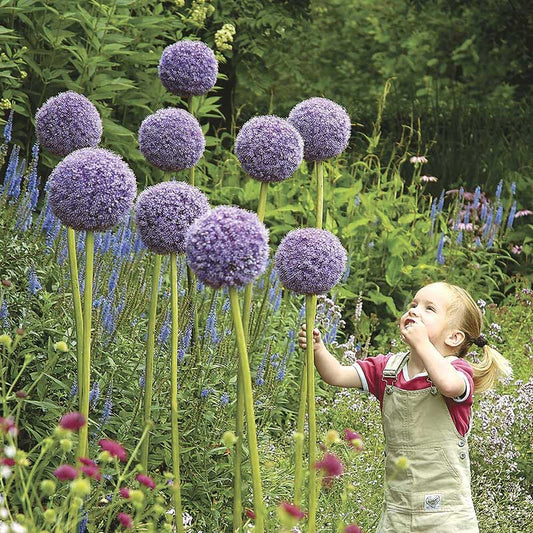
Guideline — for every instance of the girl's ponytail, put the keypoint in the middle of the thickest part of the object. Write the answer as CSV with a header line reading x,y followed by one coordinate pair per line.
x,y
492,366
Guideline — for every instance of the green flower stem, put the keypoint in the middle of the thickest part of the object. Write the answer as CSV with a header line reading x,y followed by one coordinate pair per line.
x,y
150,344
299,438
176,491
190,108
319,168
239,426
310,313
78,315
249,409
86,368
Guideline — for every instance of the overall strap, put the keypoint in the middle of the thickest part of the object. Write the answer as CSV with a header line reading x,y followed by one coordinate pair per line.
x,y
393,366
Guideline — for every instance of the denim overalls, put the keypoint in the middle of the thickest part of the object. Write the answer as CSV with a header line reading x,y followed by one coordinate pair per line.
x,y
433,492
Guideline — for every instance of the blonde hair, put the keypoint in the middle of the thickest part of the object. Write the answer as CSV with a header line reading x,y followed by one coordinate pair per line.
x,y
468,318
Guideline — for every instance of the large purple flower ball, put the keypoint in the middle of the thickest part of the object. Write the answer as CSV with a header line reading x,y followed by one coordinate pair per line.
x,y
310,261
165,211
188,68
227,247
269,148
171,139
324,126
92,189
68,122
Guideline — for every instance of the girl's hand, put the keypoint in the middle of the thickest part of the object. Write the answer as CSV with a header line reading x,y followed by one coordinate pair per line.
x,y
414,333
302,339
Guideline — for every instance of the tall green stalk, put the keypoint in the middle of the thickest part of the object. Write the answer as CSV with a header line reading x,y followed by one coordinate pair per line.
x,y
149,368
78,315
176,490
87,316
239,425
310,313
319,169
246,381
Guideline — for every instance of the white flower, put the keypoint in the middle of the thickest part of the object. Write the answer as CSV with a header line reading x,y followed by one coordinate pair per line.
x,y
10,451
18,528
5,472
4,528
3,513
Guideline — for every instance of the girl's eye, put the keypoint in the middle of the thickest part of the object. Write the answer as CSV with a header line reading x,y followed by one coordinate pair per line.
x,y
431,308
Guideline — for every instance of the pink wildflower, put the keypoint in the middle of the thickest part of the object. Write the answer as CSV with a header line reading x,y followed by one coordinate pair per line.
x,y
125,520
92,471
523,213
428,178
292,510
332,467
124,492
7,461
352,528
65,473
147,481
114,448
72,421
250,514
517,249
86,461
7,425
353,439
418,159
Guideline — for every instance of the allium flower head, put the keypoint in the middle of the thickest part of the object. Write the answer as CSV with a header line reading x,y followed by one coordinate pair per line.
x,y
227,247
188,68
165,211
171,139
269,148
68,122
92,189
324,126
310,261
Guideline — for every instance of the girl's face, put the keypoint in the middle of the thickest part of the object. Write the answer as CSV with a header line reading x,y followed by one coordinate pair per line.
x,y
430,307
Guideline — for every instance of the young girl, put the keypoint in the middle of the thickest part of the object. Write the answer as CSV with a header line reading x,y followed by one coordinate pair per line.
x,y
425,396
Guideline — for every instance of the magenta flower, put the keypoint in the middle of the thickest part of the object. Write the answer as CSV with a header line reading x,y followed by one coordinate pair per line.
x,y
353,439
92,471
269,148
65,473
292,510
228,246
124,492
68,122
72,421
147,481
324,126
92,189
310,261
171,139
86,461
114,448
164,212
331,466
188,68
352,528
125,520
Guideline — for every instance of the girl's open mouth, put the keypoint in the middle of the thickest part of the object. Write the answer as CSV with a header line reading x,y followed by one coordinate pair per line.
x,y
409,321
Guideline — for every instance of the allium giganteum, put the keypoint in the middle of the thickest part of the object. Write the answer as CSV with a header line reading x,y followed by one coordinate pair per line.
x,y
165,211
310,261
227,247
68,122
188,68
269,148
171,139
324,126
92,189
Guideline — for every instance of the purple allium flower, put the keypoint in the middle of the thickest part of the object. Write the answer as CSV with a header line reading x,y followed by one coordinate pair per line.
x,y
227,247
324,125
68,122
310,261
92,189
171,139
188,68
165,211
269,148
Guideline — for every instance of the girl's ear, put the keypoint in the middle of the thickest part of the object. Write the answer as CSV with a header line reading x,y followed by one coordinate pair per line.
x,y
455,338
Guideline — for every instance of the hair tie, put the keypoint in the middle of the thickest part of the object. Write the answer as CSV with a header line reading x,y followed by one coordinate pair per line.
x,y
480,341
